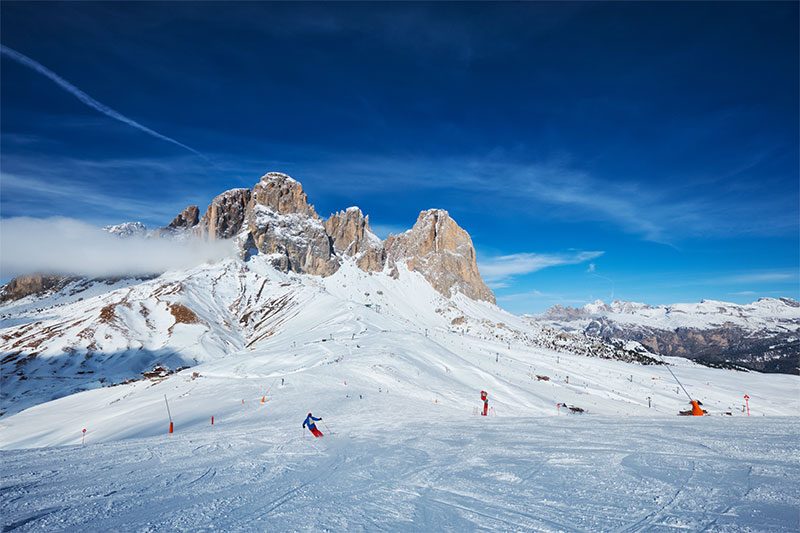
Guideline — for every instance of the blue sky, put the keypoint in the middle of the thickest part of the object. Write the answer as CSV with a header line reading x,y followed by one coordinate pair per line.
x,y
640,151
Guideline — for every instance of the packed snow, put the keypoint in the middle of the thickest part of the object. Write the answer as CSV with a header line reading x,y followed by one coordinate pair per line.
x,y
395,369
415,470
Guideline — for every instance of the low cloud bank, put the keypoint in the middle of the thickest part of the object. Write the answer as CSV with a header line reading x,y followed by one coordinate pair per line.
x,y
70,247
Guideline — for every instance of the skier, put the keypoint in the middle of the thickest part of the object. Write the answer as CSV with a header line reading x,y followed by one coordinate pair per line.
x,y
696,409
485,398
312,427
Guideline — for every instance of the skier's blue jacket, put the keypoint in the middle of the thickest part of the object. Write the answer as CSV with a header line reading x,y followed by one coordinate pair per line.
x,y
310,422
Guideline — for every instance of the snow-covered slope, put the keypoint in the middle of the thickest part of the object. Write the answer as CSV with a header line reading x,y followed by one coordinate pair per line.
x,y
418,470
382,341
342,342
763,335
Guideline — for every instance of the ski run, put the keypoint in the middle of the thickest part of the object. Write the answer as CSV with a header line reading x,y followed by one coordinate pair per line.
x,y
395,371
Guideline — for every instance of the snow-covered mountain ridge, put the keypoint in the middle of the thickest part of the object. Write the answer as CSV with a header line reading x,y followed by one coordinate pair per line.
x,y
331,312
763,335
91,334
344,343
275,219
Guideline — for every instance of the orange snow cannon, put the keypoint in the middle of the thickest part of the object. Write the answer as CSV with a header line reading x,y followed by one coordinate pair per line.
x,y
696,409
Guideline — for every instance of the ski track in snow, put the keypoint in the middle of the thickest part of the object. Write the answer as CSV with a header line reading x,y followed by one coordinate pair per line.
x,y
395,370
526,474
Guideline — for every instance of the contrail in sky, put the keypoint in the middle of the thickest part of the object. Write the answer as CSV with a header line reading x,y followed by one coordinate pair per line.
x,y
85,98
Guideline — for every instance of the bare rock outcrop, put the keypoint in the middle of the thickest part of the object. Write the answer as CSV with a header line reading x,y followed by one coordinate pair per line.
x,y
283,225
275,219
282,194
351,235
29,284
226,214
442,252
186,219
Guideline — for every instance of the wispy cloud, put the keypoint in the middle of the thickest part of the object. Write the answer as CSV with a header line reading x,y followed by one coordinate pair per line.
x,y
74,192
71,247
657,211
109,190
86,99
499,268
81,195
531,296
760,277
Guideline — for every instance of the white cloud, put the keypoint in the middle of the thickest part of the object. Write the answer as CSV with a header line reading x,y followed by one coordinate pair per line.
x,y
496,269
591,269
69,247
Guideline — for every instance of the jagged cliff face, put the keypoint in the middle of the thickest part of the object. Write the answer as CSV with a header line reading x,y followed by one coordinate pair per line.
x,y
186,219
27,285
351,235
441,251
276,219
282,194
226,214
282,225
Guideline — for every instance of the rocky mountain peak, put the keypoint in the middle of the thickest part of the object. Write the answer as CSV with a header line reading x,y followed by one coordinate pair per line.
x,y
283,225
226,214
282,194
188,218
441,251
127,229
351,236
276,219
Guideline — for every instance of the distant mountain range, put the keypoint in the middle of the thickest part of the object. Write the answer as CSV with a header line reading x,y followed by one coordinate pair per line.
x,y
763,335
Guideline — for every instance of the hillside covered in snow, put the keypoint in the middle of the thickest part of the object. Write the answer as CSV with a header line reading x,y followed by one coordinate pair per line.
x,y
391,343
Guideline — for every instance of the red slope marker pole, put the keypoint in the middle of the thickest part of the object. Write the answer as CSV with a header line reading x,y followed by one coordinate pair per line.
x,y
83,437
747,403
171,427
